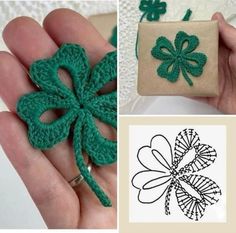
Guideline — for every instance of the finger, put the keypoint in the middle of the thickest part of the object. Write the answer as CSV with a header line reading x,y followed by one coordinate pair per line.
x,y
28,40
61,156
228,35
14,80
50,192
74,28
227,31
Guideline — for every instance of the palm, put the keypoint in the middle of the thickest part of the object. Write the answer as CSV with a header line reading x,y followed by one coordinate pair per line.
x,y
95,215
84,210
46,174
225,101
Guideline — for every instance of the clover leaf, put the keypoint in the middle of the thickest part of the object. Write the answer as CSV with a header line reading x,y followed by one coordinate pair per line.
x,y
83,104
179,59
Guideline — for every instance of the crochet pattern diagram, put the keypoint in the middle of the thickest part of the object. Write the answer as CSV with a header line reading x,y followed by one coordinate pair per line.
x,y
173,171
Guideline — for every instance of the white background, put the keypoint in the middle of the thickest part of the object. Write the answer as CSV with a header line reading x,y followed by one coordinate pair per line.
x,y
214,136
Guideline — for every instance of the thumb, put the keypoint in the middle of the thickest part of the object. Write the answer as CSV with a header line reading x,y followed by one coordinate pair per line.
x,y
227,31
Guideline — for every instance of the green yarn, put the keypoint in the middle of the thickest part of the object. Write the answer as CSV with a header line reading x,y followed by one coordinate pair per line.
x,y
152,10
187,15
181,58
113,39
82,105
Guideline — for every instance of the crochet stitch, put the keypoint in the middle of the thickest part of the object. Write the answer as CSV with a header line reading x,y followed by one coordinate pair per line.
x,y
83,104
179,58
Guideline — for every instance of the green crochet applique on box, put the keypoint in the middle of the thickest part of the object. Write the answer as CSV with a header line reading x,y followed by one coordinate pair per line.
x,y
179,59
83,104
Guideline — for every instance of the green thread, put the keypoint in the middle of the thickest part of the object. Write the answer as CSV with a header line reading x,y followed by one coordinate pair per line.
x,y
181,58
136,43
82,105
187,15
136,46
152,10
113,39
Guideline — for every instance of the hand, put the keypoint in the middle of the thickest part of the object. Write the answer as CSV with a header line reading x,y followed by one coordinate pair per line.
x,y
226,101
46,173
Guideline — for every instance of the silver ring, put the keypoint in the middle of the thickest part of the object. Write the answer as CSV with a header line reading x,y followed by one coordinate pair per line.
x,y
78,179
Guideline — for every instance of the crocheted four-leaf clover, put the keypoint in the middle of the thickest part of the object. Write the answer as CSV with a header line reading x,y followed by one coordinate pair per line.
x,y
82,105
152,9
181,58
163,174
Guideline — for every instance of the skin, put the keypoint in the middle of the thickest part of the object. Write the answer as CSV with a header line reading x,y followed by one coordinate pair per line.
x,y
226,101
46,174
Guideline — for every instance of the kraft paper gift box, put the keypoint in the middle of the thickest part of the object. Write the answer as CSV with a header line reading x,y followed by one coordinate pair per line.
x,y
155,78
104,23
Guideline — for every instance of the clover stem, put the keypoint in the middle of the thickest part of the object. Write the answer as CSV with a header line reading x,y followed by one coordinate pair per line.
x,y
189,81
137,37
104,199
142,17
187,15
167,198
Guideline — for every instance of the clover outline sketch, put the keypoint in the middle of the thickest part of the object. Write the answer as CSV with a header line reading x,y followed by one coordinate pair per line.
x,y
162,174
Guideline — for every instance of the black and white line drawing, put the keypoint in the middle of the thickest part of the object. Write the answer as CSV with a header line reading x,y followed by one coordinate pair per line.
x,y
165,174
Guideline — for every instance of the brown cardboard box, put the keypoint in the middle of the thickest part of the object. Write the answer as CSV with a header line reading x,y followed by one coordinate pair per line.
x,y
104,23
149,83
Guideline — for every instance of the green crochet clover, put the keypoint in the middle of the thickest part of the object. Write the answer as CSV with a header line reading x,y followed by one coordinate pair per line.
x,y
181,58
152,9
82,105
